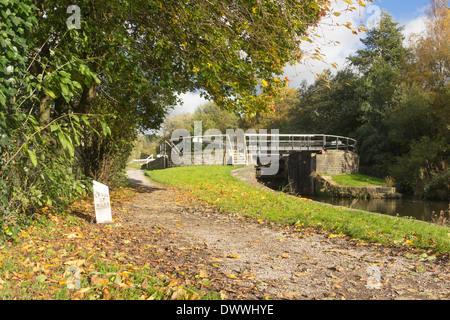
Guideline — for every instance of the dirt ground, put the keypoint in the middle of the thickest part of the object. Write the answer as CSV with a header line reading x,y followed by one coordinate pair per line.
x,y
248,259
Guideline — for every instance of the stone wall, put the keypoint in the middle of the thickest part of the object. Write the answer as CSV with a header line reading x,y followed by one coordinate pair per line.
x,y
335,162
324,185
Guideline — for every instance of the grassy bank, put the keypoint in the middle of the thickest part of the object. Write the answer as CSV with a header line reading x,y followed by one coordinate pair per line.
x,y
357,180
216,185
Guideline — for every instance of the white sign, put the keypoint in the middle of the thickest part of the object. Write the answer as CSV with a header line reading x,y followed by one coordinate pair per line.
x,y
102,204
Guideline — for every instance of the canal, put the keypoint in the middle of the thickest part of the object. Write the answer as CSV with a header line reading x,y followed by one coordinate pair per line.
x,y
405,207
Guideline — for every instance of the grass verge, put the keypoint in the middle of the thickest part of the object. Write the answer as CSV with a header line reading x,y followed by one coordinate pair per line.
x,y
217,186
357,180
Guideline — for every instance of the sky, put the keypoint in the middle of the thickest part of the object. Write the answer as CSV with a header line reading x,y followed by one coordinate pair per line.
x,y
409,13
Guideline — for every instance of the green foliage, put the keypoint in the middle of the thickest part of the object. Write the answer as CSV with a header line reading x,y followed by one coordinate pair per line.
x,y
40,172
37,152
328,106
16,21
143,147
213,117
283,111
383,46
423,170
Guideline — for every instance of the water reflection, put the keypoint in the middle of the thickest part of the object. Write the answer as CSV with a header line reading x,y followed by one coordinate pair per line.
x,y
406,207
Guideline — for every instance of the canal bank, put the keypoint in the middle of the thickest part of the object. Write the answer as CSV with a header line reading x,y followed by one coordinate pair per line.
x,y
325,186
377,199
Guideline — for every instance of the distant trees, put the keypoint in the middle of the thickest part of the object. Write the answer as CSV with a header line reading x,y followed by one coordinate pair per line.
x,y
394,99
214,117
421,109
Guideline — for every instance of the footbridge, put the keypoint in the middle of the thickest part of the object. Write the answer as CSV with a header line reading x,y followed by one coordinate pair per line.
x,y
246,148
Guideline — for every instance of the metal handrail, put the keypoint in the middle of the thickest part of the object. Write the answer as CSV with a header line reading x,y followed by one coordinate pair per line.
x,y
286,142
144,161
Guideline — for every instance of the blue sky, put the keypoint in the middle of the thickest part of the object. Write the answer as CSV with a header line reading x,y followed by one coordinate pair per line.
x,y
409,13
404,10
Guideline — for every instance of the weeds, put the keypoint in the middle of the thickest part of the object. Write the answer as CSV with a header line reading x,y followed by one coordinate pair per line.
x,y
442,219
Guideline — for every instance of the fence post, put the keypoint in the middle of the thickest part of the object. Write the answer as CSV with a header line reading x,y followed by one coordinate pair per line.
x,y
165,155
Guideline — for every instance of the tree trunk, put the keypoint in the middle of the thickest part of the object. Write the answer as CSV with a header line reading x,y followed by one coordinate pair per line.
x,y
44,111
87,98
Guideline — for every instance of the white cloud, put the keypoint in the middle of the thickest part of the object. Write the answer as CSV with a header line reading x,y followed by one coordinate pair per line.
x,y
191,101
415,26
335,41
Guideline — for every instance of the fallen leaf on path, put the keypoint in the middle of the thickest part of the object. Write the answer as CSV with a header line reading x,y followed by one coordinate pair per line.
x,y
178,294
79,294
106,294
77,263
277,268
173,283
74,235
96,280
332,236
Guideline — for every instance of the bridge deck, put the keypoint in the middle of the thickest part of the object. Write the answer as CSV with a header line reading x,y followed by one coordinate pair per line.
x,y
242,145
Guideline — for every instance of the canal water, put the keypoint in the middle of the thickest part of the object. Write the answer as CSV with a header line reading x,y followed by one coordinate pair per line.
x,y
405,207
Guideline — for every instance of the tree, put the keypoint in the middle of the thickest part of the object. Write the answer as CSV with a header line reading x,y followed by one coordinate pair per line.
x,y
16,21
214,117
35,159
419,117
329,106
281,116
430,59
393,99
380,64
178,121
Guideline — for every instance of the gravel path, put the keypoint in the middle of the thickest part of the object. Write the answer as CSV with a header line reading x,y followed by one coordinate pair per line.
x,y
248,259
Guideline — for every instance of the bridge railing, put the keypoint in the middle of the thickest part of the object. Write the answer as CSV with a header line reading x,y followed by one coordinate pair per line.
x,y
143,161
255,144
298,142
